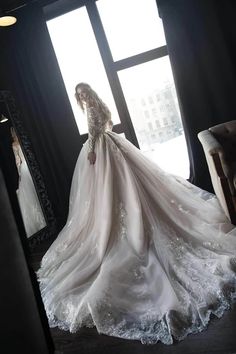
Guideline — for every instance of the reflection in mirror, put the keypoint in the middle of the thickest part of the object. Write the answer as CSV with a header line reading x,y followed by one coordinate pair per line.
x,y
22,174
30,207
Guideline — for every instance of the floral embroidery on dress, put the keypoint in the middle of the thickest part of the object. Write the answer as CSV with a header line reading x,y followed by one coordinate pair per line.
x,y
98,124
120,214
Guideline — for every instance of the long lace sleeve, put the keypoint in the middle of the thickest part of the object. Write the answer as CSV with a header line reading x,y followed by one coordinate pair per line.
x,y
95,127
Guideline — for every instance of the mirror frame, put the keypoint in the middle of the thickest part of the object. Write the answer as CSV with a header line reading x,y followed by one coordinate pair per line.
x,y
50,229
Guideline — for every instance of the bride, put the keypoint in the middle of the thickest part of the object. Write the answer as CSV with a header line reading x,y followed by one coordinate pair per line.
x,y
144,255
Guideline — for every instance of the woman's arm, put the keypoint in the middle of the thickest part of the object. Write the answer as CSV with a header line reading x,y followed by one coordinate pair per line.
x,y
94,129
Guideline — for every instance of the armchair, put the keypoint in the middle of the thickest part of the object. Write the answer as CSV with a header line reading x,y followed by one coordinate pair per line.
x,y
219,145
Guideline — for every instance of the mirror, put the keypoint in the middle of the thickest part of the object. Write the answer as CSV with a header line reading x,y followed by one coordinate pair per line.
x,y
22,173
28,200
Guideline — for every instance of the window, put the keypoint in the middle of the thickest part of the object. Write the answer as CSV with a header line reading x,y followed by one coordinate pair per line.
x,y
147,114
167,95
162,108
150,127
81,62
143,102
130,26
150,100
154,112
119,47
165,121
157,124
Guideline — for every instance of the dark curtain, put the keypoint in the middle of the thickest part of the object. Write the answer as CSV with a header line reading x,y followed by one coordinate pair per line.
x,y
201,41
34,77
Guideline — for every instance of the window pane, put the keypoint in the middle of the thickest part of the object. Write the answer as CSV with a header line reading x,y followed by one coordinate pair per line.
x,y
151,98
79,60
131,26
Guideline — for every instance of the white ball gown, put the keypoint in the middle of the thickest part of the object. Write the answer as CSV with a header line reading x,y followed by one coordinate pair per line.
x,y
144,255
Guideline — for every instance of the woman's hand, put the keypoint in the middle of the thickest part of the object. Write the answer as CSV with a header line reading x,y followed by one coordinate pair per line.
x,y
92,157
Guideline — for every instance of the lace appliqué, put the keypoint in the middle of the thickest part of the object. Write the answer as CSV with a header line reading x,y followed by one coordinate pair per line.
x,y
149,329
120,215
97,125
192,316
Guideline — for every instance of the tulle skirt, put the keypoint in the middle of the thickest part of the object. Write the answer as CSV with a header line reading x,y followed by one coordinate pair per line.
x,y
144,255
30,207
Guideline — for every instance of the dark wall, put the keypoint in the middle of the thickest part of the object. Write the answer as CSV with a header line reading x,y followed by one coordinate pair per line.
x,y
4,79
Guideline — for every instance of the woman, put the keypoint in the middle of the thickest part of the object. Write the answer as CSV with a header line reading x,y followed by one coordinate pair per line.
x,y
31,211
144,255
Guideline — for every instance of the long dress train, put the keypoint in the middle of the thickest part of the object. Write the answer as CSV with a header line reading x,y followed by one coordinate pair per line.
x,y
144,254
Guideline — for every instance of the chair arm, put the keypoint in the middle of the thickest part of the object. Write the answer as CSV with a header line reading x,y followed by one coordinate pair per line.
x,y
209,143
213,151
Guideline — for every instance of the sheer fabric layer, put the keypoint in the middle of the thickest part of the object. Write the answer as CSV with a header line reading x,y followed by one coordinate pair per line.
x,y
30,207
144,255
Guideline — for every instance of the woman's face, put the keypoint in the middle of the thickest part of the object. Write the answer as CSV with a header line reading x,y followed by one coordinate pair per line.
x,y
82,94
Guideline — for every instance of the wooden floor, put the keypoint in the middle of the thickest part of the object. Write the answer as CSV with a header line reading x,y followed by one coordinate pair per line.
x,y
219,338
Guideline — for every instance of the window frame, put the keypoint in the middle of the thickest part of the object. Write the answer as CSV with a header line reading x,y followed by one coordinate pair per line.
x,y
112,67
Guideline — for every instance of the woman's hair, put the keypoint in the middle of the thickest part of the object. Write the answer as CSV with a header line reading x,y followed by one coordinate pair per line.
x,y
94,100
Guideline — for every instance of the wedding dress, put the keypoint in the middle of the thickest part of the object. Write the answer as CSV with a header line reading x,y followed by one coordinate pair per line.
x,y
144,255
31,210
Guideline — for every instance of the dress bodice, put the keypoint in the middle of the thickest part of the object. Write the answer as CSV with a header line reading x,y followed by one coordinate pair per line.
x,y
98,124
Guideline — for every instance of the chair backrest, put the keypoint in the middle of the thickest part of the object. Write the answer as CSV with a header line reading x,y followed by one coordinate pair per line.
x,y
225,134
219,145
